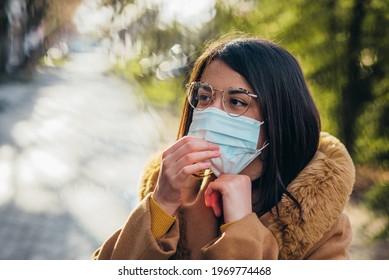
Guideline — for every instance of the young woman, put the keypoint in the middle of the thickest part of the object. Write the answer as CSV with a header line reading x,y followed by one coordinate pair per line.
x,y
251,176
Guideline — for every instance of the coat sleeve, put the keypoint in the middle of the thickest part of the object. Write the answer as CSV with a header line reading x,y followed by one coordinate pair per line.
x,y
334,245
135,240
246,239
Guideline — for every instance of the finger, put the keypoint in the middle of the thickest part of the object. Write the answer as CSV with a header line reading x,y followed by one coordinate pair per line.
x,y
212,187
192,169
195,157
188,143
216,204
171,156
212,200
208,200
193,144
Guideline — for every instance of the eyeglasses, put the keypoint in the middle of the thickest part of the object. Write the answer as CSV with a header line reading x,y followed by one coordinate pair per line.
x,y
236,101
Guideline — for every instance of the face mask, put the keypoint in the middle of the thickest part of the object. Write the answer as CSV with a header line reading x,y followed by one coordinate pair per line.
x,y
237,138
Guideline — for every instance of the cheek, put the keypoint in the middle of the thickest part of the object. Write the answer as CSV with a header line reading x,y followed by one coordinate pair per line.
x,y
253,112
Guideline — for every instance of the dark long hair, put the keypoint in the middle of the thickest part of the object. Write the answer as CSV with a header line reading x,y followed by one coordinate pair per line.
x,y
292,122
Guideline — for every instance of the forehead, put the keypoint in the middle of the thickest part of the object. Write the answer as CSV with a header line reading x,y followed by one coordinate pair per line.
x,y
220,75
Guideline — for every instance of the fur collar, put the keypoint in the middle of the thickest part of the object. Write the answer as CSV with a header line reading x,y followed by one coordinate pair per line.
x,y
323,188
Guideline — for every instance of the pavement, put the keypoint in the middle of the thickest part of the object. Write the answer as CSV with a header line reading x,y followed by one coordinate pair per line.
x,y
73,143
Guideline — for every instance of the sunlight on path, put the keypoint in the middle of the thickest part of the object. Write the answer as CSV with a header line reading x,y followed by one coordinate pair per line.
x,y
75,141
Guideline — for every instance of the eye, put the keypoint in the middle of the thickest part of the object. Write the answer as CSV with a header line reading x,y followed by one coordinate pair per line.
x,y
237,98
238,102
204,97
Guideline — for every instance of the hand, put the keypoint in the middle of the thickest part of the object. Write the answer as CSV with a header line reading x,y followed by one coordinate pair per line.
x,y
182,159
230,195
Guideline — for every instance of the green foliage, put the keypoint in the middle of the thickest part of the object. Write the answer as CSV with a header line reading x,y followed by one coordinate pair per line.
x,y
377,199
163,93
128,69
160,93
342,46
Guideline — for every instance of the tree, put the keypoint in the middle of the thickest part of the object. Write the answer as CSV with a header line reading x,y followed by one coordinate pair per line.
x,y
343,48
28,28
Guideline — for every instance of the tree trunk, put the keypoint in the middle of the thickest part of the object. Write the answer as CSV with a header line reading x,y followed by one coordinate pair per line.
x,y
357,92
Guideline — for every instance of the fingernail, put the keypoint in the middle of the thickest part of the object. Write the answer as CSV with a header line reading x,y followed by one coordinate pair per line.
x,y
207,200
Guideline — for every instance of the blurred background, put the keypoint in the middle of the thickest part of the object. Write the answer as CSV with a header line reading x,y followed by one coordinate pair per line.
x,y
90,89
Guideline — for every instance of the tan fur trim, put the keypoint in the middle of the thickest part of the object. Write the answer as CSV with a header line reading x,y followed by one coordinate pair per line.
x,y
150,176
322,188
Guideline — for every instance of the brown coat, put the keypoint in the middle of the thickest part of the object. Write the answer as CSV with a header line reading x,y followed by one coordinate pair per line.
x,y
323,189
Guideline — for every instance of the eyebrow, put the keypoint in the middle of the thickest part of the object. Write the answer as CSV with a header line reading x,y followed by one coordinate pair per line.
x,y
237,90
241,90
233,90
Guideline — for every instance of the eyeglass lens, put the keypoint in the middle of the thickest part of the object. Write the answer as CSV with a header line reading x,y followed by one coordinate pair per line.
x,y
235,101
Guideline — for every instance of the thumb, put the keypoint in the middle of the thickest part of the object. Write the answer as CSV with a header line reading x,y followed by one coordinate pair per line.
x,y
213,200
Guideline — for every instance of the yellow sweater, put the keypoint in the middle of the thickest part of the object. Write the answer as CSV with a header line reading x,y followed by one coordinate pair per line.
x,y
161,221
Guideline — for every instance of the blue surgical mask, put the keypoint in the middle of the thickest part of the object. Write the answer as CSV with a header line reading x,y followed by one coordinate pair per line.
x,y
237,138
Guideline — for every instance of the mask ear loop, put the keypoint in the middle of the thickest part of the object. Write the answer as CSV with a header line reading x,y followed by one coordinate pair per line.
x,y
265,144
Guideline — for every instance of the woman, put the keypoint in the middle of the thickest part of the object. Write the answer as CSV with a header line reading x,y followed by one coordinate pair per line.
x,y
251,176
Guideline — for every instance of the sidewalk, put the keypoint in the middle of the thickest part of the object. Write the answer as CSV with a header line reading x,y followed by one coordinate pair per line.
x,y
73,143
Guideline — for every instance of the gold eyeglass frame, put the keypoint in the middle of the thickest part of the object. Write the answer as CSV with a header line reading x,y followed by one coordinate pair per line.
x,y
191,85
